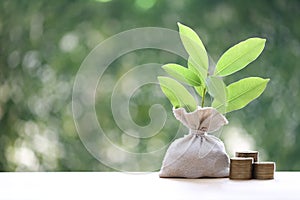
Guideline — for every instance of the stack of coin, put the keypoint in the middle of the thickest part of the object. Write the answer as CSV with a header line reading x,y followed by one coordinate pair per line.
x,y
263,170
248,154
240,168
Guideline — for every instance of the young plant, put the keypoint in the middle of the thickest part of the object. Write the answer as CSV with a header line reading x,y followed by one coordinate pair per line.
x,y
225,98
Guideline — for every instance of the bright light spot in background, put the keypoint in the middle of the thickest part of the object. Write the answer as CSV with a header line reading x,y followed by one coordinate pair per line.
x,y
115,156
103,1
25,158
69,42
36,142
129,141
237,139
145,4
32,60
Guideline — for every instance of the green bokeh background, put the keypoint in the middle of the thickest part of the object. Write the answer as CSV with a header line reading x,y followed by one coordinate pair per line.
x,y
43,43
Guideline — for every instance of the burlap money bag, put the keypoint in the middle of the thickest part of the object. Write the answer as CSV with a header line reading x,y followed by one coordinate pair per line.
x,y
197,154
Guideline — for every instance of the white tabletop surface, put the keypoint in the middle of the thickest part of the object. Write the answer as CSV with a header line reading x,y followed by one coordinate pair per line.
x,y
118,185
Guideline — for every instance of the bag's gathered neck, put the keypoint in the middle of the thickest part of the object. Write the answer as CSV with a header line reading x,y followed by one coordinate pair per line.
x,y
202,120
198,132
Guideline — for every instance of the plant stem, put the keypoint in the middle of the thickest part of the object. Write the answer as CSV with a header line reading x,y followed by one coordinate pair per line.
x,y
203,97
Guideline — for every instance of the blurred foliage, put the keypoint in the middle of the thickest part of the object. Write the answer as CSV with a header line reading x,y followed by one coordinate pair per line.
x,y
43,43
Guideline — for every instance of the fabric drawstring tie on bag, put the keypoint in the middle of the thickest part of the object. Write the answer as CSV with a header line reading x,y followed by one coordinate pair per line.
x,y
200,135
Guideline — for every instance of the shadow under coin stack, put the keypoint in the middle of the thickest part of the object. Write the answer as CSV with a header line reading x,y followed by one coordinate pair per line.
x,y
245,166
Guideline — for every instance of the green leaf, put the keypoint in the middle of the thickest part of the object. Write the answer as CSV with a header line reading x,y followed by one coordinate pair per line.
x,y
182,74
177,94
241,93
200,71
239,56
193,45
216,88
202,74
